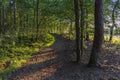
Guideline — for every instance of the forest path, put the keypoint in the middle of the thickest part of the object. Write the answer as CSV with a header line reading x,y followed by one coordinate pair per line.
x,y
53,63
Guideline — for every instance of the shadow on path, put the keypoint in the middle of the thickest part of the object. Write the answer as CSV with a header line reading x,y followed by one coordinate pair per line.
x,y
45,62
53,63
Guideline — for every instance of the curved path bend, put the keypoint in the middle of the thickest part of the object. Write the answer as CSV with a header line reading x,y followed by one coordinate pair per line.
x,y
53,63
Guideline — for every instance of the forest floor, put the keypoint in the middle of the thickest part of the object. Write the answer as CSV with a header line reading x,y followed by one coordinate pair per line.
x,y
54,63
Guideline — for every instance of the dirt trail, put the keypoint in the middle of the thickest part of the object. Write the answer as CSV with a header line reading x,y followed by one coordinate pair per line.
x,y
54,63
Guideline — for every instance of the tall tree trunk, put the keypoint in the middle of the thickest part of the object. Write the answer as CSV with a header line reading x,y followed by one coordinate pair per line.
x,y
3,17
87,33
70,31
34,18
81,26
99,33
4,22
86,23
27,23
14,11
113,21
21,27
37,19
76,8
0,17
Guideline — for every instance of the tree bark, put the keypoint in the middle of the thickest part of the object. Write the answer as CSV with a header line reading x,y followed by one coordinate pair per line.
x,y
113,21
37,19
86,23
76,9
81,26
70,31
0,17
99,33
87,33
14,11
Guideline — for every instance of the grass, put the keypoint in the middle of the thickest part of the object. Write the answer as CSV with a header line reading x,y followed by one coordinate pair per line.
x,y
115,40
114,44
14,52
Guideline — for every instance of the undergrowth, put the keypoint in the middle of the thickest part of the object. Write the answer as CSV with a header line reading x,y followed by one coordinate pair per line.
x,y
16,50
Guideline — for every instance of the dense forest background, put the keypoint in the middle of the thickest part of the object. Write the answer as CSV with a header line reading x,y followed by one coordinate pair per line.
x,y
27,26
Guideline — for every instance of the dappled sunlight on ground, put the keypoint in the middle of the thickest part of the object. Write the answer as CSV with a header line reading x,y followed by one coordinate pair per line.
x,y
54,63
44,55
40,74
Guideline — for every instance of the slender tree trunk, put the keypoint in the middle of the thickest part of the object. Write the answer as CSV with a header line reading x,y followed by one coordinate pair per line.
x,y
0,17
20,29
76,8
5,20
37,19
81,26
27,20
34,18
60,27
70,31
111,33
3,12
27,24
113,21
14,11
99,33
87,32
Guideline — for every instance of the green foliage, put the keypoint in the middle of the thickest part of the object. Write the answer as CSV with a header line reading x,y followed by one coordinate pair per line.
x,y
116,40
54,16
117,31
48,39
14,51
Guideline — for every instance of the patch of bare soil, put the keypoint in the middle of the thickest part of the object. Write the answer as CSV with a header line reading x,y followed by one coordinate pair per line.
x,y
54,63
